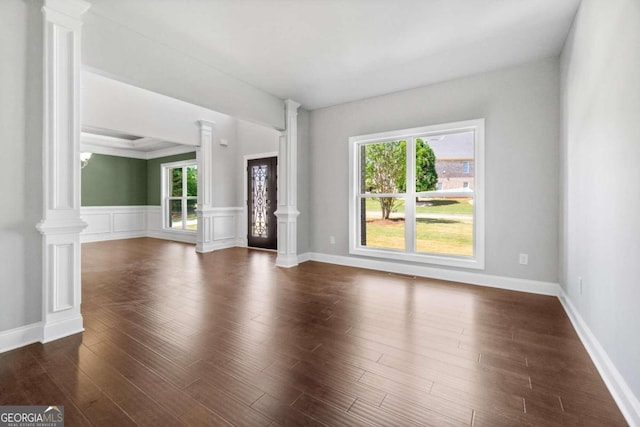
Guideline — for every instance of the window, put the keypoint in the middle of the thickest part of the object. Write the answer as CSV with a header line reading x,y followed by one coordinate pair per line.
x,y
408,203
180,195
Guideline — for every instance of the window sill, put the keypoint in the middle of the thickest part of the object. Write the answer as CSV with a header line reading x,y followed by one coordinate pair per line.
x,y
173,230
446,260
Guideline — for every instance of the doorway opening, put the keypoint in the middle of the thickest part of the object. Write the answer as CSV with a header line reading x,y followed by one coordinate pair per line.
x,y
262,178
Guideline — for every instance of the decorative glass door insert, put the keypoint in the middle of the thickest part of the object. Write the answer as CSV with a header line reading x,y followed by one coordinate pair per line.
x,y
261,195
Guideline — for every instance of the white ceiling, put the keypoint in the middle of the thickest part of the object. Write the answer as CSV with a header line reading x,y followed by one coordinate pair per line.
x,y
114,143
326,52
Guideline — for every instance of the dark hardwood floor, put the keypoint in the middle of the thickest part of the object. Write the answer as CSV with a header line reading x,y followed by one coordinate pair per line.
x,y
226,338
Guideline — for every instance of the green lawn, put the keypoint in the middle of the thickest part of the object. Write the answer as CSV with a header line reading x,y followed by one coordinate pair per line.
x,y
443,236
459,206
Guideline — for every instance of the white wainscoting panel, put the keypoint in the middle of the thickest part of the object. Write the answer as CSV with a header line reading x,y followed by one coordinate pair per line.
x,y
129,221
220,228
154,218
113,222
63,263
97,223
224,229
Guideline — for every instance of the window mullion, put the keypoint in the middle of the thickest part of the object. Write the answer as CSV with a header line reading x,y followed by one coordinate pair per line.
x,y
184,197
410,199
361,192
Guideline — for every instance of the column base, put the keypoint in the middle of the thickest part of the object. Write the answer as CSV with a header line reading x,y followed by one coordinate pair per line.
x,y
287,261
287,236
204,234
62,328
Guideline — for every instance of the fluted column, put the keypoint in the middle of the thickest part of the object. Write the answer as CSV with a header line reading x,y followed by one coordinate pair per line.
x,y
61,223
287,212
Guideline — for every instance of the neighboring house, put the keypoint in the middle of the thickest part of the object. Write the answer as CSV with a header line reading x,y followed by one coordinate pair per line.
x,y
454,161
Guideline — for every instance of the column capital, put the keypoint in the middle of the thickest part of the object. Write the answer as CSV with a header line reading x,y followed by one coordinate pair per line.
x,y
206,125
291,105
60,10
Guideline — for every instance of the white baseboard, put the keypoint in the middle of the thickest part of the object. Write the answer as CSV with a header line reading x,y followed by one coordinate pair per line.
x,y
470,277
100,237
175,236
216,245
627,402
19,337
304,257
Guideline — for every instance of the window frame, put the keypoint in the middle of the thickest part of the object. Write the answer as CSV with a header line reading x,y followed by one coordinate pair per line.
x,y
166,198
477,261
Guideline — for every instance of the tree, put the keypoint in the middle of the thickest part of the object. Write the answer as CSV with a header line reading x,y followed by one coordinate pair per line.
x,y
386,165
192,181
426,175
386,170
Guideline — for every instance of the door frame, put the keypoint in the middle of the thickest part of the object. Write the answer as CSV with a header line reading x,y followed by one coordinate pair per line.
x,y
245,198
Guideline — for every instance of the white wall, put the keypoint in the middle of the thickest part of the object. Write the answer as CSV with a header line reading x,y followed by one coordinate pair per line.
x,y
128,56
521,108
600,174
21,172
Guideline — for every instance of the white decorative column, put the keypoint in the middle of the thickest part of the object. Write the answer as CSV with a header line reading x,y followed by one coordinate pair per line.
x,y
61,224
287,212
204,156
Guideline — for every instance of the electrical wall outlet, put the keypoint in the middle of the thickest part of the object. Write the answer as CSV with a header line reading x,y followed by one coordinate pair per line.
x,y
523,259
332,240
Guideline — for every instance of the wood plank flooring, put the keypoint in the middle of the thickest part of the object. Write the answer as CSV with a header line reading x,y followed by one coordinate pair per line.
x,y
226,338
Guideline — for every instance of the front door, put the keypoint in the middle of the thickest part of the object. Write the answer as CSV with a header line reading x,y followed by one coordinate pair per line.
x,y
262,203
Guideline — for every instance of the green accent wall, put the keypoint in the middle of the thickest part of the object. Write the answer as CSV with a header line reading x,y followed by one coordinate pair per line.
x,y
122,181
114,181
154,181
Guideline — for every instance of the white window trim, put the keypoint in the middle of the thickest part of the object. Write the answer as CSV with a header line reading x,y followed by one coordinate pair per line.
x,y
476,261
165,191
